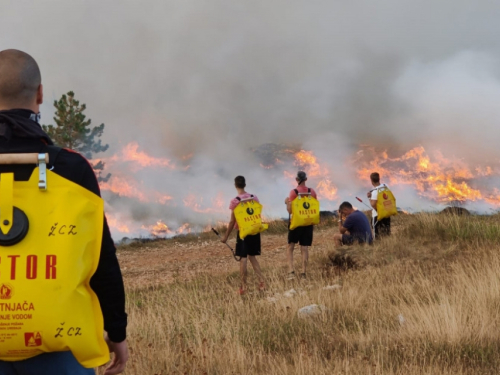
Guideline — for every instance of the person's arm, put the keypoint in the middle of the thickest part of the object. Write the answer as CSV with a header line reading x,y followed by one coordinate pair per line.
x,y
120,357
344,227
107,283
288,203
373,202
230,227
313,194
289,200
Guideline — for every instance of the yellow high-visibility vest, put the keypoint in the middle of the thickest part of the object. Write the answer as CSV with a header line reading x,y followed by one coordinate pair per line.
x,y
248,216
386,203
50,241
305,210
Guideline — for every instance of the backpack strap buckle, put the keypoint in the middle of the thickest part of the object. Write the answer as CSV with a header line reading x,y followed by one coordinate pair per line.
x,y
42,172
245,199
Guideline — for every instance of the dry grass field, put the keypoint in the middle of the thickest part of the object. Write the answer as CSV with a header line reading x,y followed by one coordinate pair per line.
x,y
425,301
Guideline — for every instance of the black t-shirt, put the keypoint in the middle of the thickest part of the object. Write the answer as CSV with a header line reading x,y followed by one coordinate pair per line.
x,y
107,282
358,226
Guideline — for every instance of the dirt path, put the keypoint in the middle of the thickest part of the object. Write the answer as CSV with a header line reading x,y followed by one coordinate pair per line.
x,y
162,262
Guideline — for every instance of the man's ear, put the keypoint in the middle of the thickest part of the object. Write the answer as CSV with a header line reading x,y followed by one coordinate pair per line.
x,y
39,95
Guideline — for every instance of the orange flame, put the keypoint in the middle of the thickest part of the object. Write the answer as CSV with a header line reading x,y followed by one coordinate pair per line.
x,y
266,166
130,153
307,161
113,223
440,179
160,229
184,228
126,187
139,159
196,203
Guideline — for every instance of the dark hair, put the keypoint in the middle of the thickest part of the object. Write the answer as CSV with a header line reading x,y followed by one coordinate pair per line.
x,y
345,205
19,77
239,182
375,177
301,176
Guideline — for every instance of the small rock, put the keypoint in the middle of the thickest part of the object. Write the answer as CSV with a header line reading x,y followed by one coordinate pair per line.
x,y
401,319
290,293
310,310
272,299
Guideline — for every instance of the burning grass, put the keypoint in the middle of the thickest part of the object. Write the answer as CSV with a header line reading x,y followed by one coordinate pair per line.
x,y
276,226
425,301
431,174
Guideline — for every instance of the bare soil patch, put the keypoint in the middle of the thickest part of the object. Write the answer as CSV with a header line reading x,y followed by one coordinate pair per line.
x,y
162,262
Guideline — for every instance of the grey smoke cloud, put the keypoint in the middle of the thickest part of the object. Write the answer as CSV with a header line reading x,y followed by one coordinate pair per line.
x,y
216,78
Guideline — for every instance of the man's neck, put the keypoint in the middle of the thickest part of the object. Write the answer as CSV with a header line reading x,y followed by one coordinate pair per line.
x,y
241,191
9,107
302,184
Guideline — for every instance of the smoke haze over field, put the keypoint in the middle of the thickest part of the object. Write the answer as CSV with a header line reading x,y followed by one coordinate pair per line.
x,y
217,78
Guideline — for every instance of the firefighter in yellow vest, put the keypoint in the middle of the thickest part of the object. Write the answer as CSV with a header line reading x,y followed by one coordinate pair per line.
x,y
303,235
381,199
57,258
249,246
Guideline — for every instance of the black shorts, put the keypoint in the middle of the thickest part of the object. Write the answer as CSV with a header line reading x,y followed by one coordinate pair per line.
x,y
382,227
250,245
302,235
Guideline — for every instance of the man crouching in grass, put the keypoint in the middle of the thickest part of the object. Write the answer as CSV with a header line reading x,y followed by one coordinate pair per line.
x,y
355,228
249,247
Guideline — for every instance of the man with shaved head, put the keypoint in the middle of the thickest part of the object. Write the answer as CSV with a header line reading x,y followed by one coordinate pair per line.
x,y
20,80
21,93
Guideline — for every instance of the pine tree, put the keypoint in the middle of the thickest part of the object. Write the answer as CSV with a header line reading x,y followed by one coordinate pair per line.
x,y
72,130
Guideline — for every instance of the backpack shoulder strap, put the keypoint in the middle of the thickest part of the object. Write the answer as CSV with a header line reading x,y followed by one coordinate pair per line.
x,y
309,190
53,152
238,198
296,191
383,187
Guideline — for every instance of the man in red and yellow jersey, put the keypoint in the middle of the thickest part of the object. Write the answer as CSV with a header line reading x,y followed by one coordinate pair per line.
x,y
301,235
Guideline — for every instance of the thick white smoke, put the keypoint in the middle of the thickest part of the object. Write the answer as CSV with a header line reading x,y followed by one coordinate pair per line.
x,y
217,78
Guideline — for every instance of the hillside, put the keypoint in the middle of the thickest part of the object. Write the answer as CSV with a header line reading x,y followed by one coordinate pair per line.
x,y
425,301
